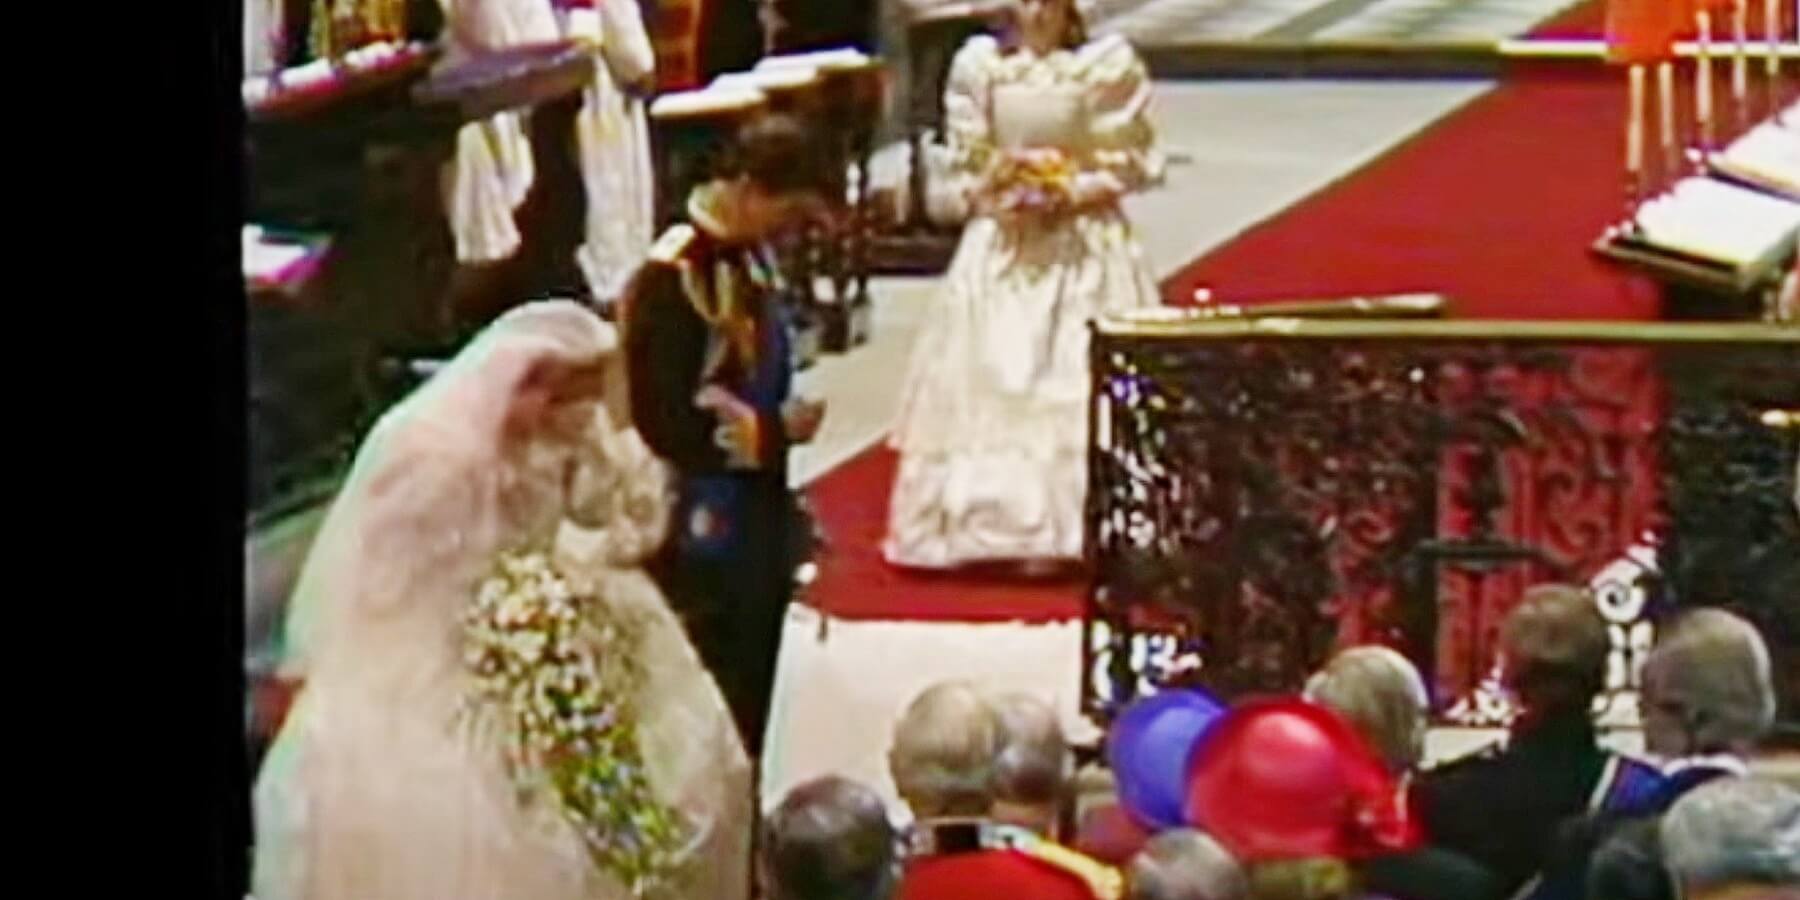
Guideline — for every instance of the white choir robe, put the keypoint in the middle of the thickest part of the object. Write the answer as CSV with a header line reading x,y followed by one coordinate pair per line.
x,y
262,34
492,170
613,134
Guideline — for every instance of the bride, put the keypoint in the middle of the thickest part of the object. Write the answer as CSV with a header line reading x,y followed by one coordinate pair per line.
x,y
408,768
992,430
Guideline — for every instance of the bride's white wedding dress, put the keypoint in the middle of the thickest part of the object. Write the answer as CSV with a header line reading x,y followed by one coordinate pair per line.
x,y
374,789
992,429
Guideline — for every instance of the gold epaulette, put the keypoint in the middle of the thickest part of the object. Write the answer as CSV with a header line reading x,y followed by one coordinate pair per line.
x,y
672,243
1106,882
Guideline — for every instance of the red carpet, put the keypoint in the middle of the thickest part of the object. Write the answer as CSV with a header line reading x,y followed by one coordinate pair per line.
x,y
856,583
1495,205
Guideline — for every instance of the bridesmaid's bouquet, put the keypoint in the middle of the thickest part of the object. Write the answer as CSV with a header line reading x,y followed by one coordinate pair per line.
x,y
1033,180
532,647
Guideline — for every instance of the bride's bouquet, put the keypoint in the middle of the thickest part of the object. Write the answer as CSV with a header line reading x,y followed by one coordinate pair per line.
x,y
533,649
1031,180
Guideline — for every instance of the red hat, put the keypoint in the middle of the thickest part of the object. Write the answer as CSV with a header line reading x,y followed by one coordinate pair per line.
x,y
1289,779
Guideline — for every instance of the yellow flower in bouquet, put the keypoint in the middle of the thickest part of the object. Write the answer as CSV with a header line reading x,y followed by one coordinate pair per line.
x,y
1038,179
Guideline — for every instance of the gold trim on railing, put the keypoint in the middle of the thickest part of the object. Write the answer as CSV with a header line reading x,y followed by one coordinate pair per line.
x,y
1781,419
1158,323
1397,306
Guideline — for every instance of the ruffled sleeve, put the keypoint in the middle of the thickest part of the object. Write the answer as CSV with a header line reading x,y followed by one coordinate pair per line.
x,y
967,118
1123,140
618,501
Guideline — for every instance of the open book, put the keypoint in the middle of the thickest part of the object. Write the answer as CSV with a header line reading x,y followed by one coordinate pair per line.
x,y
1719,222
1768,156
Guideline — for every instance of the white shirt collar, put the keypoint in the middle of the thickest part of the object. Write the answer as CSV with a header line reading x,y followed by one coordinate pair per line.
x,y
1726,761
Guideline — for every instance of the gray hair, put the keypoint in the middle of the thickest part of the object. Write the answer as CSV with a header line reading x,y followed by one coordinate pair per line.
x,y
1032,767
1710,671
1381,693
1734,832
1183,864
945,744
1556,648
830,839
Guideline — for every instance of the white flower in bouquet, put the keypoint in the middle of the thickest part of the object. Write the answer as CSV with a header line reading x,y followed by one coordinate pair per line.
x,y
570,729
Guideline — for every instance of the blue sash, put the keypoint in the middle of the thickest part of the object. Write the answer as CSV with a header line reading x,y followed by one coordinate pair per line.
x,y
713,508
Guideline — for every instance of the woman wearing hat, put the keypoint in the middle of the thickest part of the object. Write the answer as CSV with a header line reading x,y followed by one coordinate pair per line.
x,y
1298,797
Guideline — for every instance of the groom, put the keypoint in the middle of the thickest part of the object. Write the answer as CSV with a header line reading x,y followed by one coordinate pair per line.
x,y
710,374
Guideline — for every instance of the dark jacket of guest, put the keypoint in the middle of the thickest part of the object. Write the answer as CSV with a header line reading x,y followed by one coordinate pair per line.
x,y
1506,808
1428,873
1628,863
696,315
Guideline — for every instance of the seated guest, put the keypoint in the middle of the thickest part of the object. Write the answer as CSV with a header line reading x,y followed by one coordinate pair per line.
x,y
1380,693
942,760
830,839
1297,797
1735,839
1707,695
1183,864
1031,773
1503,807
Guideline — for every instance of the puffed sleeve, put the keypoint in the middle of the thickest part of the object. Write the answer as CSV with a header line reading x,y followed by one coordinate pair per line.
x,y
1123,140
619,499
967,123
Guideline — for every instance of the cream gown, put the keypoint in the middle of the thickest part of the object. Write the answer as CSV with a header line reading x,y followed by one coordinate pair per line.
x,y
375,788
992,428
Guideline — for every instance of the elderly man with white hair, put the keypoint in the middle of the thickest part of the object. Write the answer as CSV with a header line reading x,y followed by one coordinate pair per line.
x,y
1708,696
1183,864
1708,693
1032,770
1735,839
943,759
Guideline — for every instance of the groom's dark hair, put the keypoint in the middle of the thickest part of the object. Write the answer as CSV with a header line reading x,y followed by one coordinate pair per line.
x,y
783,153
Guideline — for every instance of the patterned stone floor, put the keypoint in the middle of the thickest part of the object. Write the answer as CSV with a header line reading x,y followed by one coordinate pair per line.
x,y
1174,22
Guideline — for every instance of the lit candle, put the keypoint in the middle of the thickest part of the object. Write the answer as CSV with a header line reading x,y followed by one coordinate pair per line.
x,y
1740,65
1772,18
1703,82
1634,127
1665,100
